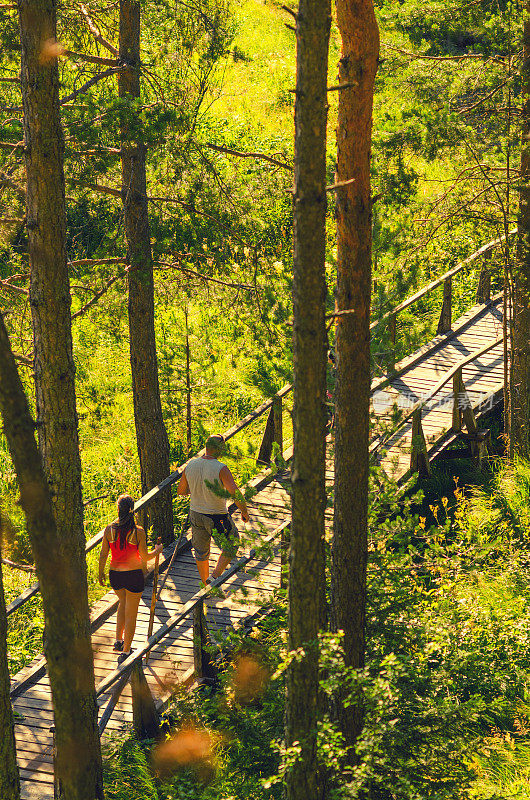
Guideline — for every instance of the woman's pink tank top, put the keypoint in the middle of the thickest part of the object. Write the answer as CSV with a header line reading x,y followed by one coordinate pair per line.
x,y
122,556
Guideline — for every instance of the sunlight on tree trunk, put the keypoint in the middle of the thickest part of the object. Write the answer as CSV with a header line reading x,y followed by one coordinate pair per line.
x,y
9,778
357,65
520,430
151,434
62,568
64,600
308,486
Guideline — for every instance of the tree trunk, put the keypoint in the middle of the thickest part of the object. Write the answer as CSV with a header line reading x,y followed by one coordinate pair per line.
x,y
358,65
520,433
188,388
64,599
61,564
308,487
151,434
9,780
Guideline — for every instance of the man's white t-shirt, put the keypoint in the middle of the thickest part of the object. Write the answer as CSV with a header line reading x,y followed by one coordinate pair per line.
x,y
202,499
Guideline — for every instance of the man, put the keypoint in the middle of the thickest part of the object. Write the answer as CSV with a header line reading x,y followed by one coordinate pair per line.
x,y
206,480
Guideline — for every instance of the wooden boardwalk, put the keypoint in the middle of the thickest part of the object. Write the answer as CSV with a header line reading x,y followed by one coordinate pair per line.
x,y
172,658
417,374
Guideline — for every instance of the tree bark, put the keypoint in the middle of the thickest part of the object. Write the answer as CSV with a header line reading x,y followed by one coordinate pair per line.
x,y
520,429
151,434
358,64
64,599
309,337
64,582
9,778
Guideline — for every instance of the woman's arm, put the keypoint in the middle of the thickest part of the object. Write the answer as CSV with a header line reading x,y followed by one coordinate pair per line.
x,y
146,556
104,554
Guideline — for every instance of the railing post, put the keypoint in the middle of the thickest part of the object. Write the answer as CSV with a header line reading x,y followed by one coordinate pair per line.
x,y
457,412
205,671
285,540
56,779
484,281
446,316
278,422
392,328
273,431
145,716
419,460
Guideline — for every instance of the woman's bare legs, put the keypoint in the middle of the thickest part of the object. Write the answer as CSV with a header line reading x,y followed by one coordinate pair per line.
x,y
132,600
120,614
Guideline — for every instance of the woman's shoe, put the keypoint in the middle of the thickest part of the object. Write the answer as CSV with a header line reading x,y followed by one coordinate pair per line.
x,y
118,646
123,656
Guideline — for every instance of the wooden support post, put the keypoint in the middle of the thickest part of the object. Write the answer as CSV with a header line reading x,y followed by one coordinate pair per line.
x,y
419,460
278,422
145,716
56,780
285,541
468,415
392,328
457,412
273,431
205,671
446,317
484,281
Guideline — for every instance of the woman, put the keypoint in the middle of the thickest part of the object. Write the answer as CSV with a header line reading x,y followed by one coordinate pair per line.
x,y
128,545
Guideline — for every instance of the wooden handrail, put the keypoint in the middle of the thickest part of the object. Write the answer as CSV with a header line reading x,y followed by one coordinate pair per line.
x,y
153,493
439,281
441,383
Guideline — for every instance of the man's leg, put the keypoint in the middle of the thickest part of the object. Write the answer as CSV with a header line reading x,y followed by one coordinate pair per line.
x,y
221,565
200,540
228,540
203,566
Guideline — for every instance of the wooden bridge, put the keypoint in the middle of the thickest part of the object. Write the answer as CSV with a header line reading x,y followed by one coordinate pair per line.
x,y
448,384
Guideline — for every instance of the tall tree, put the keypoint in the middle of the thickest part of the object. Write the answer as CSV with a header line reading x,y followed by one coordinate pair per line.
x,y
151,434
68,650
9,779
357,69
308,486
520,431
64,599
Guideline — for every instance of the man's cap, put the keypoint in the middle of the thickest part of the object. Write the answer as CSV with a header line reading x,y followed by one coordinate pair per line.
x,y
215,442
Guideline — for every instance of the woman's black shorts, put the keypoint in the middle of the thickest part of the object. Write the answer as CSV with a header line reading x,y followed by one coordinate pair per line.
x,y
130,579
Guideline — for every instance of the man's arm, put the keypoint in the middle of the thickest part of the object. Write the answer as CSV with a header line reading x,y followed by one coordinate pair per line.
x,y
183,485
231,487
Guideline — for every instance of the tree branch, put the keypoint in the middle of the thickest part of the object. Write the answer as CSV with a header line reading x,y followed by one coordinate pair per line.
x,y
98,295
240,154
13,565
189,271
94,30
90,83
108,62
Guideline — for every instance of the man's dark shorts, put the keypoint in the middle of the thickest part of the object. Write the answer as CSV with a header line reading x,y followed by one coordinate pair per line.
x,y
219,526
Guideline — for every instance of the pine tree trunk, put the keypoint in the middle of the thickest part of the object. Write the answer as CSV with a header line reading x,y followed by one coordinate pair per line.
x,y
308,487
151,434
9,779
520,429
64,599
62,568
358,64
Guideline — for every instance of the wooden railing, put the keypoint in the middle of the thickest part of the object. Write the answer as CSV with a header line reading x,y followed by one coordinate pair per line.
x,y
132,666
462,412
273,433
444,324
